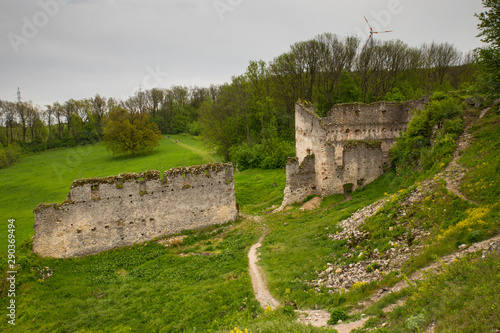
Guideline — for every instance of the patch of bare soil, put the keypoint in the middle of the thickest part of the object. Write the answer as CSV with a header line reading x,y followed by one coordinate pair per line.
x,y
258,277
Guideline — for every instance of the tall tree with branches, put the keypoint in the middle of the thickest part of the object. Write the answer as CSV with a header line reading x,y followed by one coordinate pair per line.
x,y
489,56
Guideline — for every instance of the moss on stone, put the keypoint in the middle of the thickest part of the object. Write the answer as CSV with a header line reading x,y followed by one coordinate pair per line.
x,y
41,206
197,170
151,175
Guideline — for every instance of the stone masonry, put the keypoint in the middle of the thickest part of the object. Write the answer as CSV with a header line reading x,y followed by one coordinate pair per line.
x,y
347,149
104,213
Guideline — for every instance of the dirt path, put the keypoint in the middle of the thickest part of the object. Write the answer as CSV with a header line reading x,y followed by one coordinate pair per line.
x,y
453,175
206,157
446,260
454,172
258,277
318,318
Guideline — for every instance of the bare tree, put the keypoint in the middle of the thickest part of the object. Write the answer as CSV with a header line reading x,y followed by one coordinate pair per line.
x,y
99,108
155,97
439,58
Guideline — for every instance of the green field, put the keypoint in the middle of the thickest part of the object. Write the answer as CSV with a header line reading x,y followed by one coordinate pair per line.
x,y
46,177
202,283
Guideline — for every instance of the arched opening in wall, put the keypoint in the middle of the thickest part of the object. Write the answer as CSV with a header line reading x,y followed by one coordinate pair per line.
x,y
348,188
348,131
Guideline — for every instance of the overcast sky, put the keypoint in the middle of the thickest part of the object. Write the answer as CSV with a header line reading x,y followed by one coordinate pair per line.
x,y
55,50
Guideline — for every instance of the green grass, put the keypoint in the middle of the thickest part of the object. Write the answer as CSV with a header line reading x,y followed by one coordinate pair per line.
x,y
142,288
469,297
145,287
297,243
45,177
151,288
483,161
257,191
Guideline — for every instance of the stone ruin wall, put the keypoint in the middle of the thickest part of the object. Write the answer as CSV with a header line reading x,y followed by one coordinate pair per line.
x,y
350,146
104,213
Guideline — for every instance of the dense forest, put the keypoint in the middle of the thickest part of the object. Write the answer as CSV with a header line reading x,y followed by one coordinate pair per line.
x,y
250,120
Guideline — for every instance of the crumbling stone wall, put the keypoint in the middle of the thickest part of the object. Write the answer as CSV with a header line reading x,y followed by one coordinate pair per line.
x,y
350,145
104,213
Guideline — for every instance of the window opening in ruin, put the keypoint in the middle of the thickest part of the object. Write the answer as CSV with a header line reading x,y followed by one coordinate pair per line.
x,y
94,191
348,188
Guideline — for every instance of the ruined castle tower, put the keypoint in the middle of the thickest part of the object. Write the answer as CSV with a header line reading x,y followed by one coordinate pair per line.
x,y
346,149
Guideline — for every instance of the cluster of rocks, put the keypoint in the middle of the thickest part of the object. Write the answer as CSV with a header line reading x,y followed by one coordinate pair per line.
x,y
338,277
351,224
371,266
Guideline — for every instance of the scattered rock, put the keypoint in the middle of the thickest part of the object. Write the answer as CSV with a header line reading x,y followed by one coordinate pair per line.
x,y
172,241
312,204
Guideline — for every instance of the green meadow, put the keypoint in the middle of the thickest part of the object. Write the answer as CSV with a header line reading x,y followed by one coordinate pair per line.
x,y
201,284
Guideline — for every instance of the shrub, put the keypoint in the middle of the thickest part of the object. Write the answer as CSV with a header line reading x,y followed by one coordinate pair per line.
x,y
336,315
9,154
441,118
260,157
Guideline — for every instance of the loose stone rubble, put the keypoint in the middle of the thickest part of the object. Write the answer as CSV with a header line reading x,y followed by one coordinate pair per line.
x,y
372,266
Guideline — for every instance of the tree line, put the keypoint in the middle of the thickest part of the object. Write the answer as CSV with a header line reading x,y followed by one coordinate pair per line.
x,y
250,120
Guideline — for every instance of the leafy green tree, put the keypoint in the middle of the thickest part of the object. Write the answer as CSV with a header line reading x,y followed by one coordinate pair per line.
x,y
130,132
489,56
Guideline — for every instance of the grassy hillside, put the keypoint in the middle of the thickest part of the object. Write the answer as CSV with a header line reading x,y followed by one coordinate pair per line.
x,y
425,216
200,283
46,177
